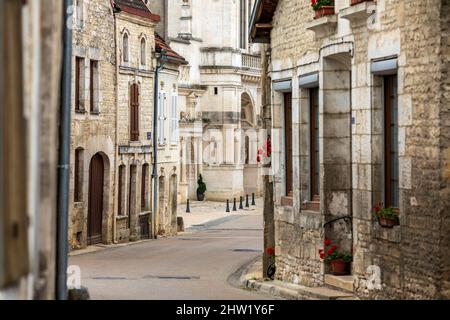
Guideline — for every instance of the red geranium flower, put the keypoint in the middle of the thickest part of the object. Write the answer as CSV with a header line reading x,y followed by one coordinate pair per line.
x,y
327,242
330,251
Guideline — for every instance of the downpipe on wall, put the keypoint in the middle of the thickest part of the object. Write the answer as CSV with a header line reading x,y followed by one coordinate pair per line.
x,y
64,157
162,59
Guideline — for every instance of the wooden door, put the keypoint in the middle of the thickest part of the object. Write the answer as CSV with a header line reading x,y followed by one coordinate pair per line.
x,y
288,141
95,213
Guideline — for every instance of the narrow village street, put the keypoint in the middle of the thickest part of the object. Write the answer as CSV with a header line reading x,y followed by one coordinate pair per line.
x,y
194,265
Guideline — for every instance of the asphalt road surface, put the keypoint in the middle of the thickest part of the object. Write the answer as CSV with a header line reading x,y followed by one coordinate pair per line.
x,y
192,266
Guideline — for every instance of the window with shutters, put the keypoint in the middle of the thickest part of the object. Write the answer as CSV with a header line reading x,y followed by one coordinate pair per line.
x,y
94,86
79,13
121,191
78,175
174,119
134,112
391,142
162,118
79,84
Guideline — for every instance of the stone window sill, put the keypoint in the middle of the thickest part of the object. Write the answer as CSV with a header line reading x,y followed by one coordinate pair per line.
x,y
358,13
323,26
95,113
287,201
121,217
78,205
387,234
80,112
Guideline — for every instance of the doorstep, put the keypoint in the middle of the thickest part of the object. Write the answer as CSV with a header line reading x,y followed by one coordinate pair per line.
x,y
250,277
339,282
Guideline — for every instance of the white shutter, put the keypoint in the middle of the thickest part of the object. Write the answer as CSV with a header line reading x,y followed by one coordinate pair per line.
x,y
174,119
162,117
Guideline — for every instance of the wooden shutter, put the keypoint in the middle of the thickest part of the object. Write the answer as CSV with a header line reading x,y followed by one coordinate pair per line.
x,y
134,112
77,83
120,191
144,188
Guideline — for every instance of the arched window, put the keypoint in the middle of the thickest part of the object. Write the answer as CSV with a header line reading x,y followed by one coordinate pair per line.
x,y
78,175
126,54
143,52
134,112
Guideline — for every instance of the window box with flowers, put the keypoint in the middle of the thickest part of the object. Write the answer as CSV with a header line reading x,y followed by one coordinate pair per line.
x,y
339,261
387,217
322,8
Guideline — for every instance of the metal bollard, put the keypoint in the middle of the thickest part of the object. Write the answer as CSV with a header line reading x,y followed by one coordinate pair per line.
x,y
228,206
253,199
234,205
188,207
241,206
247,205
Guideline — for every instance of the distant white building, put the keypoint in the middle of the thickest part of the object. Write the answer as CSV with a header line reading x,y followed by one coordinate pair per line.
x,y
219,95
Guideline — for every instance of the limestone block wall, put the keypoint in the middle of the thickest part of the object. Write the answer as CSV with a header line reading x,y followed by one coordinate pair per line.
x,y
352,148
94,132
134,156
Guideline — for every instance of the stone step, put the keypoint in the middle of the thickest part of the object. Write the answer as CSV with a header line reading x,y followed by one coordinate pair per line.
x,y
298,292
340,282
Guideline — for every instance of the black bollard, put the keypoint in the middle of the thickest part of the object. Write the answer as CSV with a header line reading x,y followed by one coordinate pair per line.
x,y
188,208
253,199
247,205
240,204
228,206
234,205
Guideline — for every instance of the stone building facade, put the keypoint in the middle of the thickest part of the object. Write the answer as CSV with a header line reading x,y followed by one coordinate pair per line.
x,y
135,40
114,63
30,98
219,96
94,109
361,99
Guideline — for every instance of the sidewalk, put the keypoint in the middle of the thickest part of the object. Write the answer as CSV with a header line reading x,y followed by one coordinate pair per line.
x,y
203,213
249,277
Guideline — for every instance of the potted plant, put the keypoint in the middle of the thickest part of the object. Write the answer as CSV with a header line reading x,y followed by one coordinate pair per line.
x,y
201,189
387,217
339,261
355,2
322,8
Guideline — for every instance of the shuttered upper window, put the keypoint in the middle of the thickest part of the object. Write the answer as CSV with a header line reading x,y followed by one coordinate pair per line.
x,y
134,112
174,119
162,118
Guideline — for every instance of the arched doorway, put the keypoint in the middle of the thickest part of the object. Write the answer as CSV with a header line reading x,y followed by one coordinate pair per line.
x,y
95,210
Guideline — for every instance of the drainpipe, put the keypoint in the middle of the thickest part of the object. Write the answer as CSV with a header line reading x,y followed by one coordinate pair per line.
x,y
64,158
162,59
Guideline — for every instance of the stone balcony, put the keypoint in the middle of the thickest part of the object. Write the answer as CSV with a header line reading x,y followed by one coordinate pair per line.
x,y
229,58
359,13
324,26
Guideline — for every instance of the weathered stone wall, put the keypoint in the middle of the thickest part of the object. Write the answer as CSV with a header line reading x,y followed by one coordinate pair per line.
x,y
94,132
411,256
134,155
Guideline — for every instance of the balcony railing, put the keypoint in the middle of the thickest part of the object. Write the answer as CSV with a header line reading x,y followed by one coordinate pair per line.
x,y
251,61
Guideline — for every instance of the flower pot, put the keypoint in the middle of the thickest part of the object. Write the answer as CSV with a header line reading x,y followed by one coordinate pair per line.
x,y
388,223
339,267
200,196
323,11
355,2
